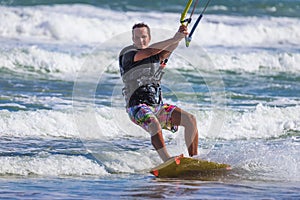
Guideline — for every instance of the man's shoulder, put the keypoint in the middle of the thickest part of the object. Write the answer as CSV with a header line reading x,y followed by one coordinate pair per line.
x,y
127,49
124,60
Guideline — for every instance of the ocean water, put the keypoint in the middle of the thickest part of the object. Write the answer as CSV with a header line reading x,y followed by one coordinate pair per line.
x,y
64,132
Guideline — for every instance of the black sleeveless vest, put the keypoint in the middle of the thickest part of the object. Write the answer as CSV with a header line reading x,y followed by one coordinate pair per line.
x,y
141,79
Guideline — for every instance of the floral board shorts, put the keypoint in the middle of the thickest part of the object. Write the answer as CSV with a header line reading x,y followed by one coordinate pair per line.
x,y
141,115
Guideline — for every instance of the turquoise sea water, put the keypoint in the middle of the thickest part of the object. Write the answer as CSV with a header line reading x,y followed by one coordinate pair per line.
x,y
289,8
64,132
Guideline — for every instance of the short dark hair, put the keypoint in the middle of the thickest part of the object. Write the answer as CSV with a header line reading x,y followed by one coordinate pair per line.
x,y
141,25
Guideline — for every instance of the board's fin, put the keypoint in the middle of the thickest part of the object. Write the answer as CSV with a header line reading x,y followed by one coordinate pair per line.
x,y
180,166
175,159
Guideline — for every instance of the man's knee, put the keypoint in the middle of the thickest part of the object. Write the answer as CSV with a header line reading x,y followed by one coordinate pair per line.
x,y
154,126
189,120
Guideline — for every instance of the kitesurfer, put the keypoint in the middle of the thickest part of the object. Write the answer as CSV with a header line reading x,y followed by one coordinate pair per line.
x,y
141,67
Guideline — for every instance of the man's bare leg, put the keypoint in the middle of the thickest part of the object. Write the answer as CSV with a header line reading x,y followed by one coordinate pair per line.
x,y
157,140
188,121
159,145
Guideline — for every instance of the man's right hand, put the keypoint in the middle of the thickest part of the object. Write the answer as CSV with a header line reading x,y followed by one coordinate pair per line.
x,y
182,33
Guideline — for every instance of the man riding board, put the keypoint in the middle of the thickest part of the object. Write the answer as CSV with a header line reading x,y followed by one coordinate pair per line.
x,y
141,70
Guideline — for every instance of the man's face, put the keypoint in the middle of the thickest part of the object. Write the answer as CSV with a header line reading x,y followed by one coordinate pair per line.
x,y
141,38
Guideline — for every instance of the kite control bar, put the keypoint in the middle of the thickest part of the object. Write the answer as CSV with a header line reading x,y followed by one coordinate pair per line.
x,y
186,21
184,13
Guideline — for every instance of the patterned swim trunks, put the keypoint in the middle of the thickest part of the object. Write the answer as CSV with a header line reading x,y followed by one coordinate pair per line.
x,y
141,115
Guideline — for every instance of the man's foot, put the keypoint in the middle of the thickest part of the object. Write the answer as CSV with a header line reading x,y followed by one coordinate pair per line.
x,y
175,157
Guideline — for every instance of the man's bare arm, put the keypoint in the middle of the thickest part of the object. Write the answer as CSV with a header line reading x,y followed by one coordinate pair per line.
x,y
154,49
167,52
165,47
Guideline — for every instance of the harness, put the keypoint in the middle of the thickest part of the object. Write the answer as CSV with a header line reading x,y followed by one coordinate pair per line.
x,y
145,89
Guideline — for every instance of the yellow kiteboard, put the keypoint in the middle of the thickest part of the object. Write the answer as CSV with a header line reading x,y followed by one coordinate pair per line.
x,y
183,167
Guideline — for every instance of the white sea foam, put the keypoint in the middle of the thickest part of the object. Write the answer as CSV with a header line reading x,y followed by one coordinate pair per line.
x,y
37,123
106,122
112,124
37,61
34,60
262,122
283,166
57,39
255,60
82,23
50,165
129,161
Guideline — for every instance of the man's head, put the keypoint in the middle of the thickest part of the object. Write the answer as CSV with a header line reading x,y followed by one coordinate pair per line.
x,y
141,35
